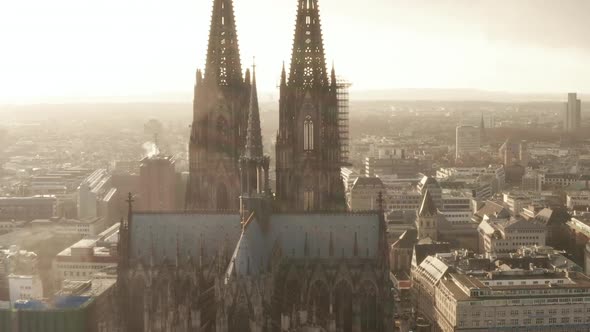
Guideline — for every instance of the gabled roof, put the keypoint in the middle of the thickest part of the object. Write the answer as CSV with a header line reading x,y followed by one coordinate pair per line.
x,y
434,268
407,240
162,237
159,237
300,236
493,209
423,250
368,181
551,217
442,222
428,180
520,223
427,208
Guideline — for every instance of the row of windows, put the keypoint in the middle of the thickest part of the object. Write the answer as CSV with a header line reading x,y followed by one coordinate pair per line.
x,y
528,321
78,227
402,207
453,215
528,231
544,292
83,267
511,283
564,311
512,244
523,237
76,274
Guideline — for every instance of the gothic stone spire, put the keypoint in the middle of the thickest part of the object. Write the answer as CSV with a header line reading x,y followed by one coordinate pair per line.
x,y
283,76
308,62
427,208
308,145
253,137
220,119
223,55
333,76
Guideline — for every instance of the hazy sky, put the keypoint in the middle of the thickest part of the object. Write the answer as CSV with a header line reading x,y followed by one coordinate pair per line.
x,y
61,50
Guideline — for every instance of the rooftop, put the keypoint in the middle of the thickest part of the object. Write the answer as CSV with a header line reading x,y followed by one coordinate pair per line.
x,y
86,288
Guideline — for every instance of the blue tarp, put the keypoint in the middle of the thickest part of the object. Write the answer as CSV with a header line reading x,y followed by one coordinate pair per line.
x,y
30,305
70,302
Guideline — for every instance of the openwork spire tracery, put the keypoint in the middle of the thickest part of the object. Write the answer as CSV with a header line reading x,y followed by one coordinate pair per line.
x,y
223,55
308,62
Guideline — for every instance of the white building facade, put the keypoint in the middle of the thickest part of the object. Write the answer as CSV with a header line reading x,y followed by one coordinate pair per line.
x,y
24,287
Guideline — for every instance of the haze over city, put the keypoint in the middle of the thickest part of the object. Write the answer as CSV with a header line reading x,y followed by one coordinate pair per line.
x,y
295,166
75,51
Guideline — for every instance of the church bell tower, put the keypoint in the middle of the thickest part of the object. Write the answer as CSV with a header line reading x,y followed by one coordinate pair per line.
x,y
219,118
308,142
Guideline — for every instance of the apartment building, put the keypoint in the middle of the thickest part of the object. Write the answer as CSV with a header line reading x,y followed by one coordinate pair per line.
x,y
508,235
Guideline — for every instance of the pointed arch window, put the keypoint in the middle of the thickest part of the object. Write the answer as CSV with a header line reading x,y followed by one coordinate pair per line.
x,y
308,134
308,200
222,132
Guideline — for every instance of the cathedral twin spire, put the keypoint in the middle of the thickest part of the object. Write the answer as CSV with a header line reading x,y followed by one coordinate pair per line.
x,y
226,150
223,54
308,62
220,118
308,147
224,68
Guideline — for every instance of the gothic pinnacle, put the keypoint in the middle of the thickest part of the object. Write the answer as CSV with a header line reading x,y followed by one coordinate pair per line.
x,y
253,134
283,75
333,75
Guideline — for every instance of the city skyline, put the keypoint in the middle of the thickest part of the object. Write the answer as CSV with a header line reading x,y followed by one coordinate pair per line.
x,y
449,190
64,51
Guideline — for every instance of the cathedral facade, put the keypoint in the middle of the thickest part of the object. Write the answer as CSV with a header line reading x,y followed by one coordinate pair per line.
x,y
241,258
220,112
308,142
280,272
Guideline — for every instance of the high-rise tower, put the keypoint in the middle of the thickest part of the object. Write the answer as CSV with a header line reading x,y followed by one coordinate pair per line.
x,y
308,141
482,131
468,142
572,120
220,118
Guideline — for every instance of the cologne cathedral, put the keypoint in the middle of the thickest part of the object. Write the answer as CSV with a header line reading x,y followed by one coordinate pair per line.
x,y
240,257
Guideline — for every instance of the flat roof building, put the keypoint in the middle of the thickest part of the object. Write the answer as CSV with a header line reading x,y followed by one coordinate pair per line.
x,y
468,142
470,293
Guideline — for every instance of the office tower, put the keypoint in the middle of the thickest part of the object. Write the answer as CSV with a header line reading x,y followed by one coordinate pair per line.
x,y
468,141
573,114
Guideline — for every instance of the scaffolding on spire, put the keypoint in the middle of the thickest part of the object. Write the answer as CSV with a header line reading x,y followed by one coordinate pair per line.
x,y
342,88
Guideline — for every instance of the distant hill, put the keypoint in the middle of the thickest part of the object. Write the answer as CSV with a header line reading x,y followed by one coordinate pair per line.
x,y
459,95
355,95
